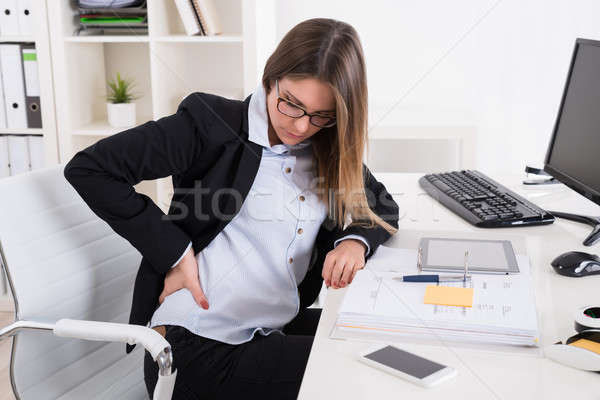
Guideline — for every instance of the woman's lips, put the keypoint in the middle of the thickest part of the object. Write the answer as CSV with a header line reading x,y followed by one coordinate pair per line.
x,y
292,135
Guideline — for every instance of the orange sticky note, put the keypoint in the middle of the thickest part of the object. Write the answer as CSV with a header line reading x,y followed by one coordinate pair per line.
x,y
587,344
449,296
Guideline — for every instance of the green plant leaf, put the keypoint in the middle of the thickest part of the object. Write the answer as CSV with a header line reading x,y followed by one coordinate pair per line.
x,y
120,90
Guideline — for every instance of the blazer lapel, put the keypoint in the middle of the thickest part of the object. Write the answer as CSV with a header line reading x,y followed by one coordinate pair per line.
x,y
247,167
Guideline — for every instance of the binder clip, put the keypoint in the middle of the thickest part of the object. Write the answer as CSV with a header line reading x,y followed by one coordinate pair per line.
x,y
581,351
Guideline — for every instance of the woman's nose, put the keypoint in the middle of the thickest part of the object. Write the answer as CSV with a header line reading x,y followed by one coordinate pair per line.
x,y
302,124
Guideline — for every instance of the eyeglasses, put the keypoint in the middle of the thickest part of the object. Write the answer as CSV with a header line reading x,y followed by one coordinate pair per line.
x,y
293,110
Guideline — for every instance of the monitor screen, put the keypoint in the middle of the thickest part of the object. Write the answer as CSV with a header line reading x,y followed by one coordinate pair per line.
x,y
574,151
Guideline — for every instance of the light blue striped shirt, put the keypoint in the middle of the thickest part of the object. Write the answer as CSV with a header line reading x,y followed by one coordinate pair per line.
x,y
251,270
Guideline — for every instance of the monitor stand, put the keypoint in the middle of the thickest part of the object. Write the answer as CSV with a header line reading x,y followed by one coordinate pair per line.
x,y
593,221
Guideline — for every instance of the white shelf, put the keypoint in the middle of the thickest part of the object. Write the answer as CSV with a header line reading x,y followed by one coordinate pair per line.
x,y
102,128
146,39
200,39
24,131
108,39
17,38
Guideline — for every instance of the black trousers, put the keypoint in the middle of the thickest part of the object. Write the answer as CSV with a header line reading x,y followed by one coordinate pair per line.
x,y
266,367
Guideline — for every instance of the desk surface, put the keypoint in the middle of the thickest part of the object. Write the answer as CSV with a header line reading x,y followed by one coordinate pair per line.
x,y
333,372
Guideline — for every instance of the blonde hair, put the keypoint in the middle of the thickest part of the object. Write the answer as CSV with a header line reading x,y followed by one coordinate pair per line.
x,y
330,51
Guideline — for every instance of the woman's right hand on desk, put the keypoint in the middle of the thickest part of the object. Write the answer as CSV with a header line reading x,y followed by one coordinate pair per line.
x,y
185,275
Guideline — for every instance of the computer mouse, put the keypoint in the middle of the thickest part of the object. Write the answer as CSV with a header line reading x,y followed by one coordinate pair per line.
x,y
576,264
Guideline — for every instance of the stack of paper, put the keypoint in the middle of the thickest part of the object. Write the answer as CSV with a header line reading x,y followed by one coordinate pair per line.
x,y
113,16
109,4
376,305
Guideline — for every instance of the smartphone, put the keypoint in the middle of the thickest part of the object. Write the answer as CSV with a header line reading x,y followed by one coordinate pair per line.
x,y
406,365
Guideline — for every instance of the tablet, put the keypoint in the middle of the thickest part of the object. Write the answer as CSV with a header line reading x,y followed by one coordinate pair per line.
x,y
485,256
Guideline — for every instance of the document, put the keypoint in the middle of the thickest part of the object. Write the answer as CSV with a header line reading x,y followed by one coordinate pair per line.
x,y
502,308
389,259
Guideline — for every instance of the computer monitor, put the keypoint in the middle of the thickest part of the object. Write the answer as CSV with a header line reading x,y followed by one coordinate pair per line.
x,y
573,155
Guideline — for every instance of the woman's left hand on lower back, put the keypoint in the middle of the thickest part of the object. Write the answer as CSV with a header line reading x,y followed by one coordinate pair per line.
x,y
342,263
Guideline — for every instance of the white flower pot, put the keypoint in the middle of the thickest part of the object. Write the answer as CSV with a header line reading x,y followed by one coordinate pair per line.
x,y
121,115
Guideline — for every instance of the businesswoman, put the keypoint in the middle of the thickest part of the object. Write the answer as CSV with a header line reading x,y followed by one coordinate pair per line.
x,y
265,190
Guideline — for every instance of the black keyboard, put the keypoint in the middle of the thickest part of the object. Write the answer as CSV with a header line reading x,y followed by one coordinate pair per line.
x,y
482,201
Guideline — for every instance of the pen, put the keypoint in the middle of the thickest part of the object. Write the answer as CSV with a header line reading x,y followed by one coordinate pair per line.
x,y
433,278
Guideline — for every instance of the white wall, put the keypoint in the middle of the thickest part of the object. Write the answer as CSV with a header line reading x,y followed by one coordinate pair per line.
x,y
498,65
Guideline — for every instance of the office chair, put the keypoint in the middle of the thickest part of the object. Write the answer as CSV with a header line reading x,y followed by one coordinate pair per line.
x,y
71,277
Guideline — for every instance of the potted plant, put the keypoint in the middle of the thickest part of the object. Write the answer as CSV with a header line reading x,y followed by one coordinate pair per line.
x,y
120,109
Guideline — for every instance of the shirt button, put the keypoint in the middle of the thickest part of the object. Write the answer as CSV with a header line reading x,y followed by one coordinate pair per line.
x,y
300,230
301,198
288,170
291,260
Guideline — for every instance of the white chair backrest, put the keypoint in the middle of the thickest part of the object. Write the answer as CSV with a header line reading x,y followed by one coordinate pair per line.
x,y
65,262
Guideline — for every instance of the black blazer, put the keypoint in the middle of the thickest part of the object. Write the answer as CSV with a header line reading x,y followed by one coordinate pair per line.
x,y
204,145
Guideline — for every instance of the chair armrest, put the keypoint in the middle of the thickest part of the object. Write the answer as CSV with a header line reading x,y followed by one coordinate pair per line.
x,y
152,341
113,332
17,326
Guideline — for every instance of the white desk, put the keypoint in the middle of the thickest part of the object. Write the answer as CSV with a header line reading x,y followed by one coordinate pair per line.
x,y
333,373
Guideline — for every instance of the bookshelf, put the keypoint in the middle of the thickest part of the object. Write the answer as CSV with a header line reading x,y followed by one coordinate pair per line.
x,y
42,44
49,127
166,64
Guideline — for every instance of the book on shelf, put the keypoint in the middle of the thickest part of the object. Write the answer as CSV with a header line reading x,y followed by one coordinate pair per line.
x,y
190,21
208,16
199,17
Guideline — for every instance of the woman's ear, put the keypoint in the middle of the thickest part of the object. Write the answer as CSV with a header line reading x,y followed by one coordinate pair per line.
x,y
270,87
